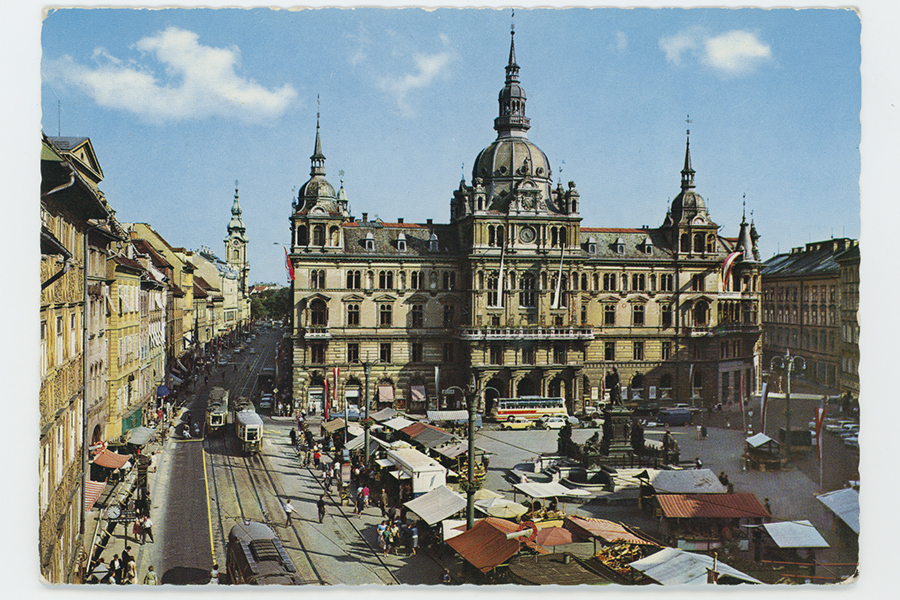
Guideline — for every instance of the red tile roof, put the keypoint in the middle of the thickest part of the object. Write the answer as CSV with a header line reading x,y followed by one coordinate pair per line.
x,y
485,545
714,506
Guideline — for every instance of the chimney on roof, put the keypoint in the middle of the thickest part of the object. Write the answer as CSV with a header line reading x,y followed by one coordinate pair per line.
x,y
400,220
429,222
365,218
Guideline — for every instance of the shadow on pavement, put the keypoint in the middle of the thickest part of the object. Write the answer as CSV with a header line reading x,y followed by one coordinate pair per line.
x,y
185,576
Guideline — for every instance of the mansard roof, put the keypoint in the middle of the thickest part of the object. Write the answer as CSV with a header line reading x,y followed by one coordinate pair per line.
x,y
385,236
633,239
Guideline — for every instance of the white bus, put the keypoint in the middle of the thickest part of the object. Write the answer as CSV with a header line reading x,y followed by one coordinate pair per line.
x,y
528,407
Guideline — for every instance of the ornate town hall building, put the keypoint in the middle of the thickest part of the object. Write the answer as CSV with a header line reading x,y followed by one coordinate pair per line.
x,y
516,293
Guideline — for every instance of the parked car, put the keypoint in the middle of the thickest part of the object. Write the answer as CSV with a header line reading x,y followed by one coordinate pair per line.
x,y
352,414
838,426
595,411
266,401
223,361
517,423
553,422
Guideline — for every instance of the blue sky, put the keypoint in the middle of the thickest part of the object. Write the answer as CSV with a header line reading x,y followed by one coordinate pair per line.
x,y
181,103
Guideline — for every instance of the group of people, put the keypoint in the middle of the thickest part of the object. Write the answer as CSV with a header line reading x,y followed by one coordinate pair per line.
x,y
142,528
121,570
396,534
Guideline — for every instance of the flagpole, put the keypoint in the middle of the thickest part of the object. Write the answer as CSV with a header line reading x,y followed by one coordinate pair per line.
x,y
562,251
500,280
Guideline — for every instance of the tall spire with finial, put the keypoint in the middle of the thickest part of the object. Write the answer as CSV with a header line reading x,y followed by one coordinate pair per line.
x,y
317,160
687,173
512,120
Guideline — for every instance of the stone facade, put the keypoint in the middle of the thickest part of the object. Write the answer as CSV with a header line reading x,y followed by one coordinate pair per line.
x,y
803,312
515,294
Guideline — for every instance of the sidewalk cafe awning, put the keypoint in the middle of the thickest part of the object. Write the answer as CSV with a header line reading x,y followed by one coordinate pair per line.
x,y
92,491
162,391
711,506
672,566
111,460
178,361
332,426
795,534
437,505
845,504
176,380
548,490
138,436
385,393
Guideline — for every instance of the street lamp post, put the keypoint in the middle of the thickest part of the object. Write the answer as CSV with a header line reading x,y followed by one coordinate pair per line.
x,y
368,371
470,394
786,362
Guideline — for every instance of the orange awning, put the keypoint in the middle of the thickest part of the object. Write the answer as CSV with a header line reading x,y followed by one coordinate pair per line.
x,y
111,459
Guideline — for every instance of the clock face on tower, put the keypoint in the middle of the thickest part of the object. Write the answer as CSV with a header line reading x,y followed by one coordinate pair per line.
x,y
236,242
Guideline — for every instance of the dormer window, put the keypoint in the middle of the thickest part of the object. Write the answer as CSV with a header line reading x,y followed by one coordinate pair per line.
x,y
620,246
592,245
433,243
370,242
401,242
648,245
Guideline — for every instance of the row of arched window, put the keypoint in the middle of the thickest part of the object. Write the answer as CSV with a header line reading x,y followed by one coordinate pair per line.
x,y
386,279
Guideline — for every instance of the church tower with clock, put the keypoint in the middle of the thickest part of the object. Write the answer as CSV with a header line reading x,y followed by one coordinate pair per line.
x,y
236,245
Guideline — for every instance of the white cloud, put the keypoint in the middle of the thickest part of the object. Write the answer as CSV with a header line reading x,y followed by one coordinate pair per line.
x,y
731,53
736,52
428,67
621,41
196,81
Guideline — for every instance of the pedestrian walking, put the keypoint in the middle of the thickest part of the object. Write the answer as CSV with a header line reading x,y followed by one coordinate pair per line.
x,y
288,510
214,575
414,538
293,437
115,570
384,502
365,493
360,503
317,458
151,578
130,574
126,555
147,529
321,506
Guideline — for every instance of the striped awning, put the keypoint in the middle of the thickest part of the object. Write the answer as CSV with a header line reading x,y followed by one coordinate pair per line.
x,y
92,491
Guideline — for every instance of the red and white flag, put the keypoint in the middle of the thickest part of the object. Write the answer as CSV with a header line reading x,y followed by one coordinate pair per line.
x,y
726,268
820,420
288,264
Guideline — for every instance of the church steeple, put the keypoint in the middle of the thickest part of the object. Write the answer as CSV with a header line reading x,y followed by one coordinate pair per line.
x,y
317,160
236,225
687,173
512,120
